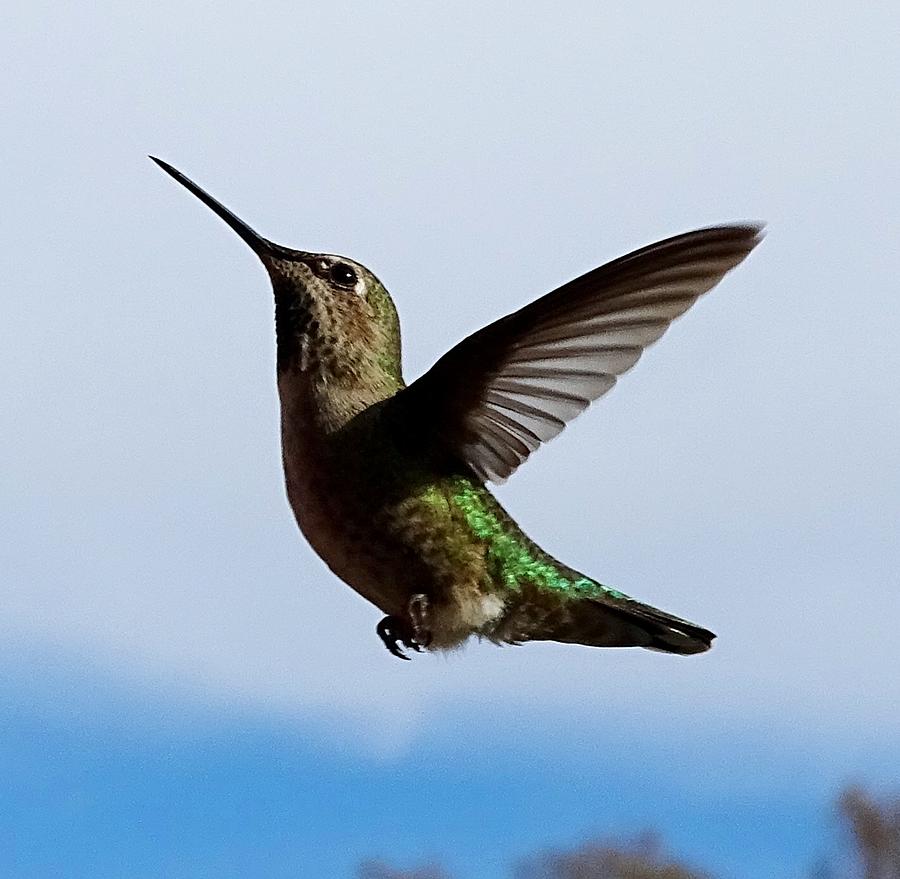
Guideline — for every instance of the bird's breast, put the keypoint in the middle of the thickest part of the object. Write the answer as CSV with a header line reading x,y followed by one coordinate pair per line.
x,y
335,518
384,525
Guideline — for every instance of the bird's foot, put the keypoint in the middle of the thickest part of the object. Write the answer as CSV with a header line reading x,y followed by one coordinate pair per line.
x,y
419,618
413,633
395,631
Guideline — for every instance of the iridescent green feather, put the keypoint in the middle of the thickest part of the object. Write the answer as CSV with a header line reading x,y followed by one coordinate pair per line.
x,y
511,558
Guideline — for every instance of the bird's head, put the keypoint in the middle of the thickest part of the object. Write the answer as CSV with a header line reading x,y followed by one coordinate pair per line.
x,y
334,319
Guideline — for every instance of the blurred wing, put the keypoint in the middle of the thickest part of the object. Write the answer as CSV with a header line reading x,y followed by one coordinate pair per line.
x,y
500,393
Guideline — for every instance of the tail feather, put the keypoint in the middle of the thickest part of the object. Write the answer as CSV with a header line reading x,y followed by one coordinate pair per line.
x,y
623,622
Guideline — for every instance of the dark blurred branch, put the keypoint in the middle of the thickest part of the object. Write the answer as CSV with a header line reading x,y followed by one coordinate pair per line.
x,y
874,830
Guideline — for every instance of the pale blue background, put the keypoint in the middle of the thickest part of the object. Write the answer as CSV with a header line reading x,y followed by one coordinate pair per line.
x,y
185,690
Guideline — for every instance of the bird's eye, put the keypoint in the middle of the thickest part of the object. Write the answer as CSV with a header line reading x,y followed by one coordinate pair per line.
x,y
342,275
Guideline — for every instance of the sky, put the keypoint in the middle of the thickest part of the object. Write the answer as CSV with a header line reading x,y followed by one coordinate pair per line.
x,y
185,689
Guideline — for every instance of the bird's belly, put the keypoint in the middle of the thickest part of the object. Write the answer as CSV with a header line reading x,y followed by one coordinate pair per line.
x,y
342,541
388,539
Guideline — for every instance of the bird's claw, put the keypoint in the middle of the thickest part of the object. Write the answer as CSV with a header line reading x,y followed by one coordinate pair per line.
x,y
389,632
413,633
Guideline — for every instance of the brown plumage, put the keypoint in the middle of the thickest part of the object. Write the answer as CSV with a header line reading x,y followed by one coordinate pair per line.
x,y
387,481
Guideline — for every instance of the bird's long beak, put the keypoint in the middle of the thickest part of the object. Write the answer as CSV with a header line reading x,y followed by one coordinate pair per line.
x,y
262,247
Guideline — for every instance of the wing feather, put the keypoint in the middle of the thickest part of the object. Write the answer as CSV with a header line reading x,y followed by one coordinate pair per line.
x,y
497,395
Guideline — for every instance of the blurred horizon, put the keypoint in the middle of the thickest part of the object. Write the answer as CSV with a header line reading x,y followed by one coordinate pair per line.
x,y
173,787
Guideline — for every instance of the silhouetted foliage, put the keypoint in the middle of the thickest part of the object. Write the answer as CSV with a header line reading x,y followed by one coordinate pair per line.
x,y
379,870
868,849
642,859
873,829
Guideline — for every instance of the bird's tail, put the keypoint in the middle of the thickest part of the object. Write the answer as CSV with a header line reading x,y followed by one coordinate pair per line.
x,y
614,620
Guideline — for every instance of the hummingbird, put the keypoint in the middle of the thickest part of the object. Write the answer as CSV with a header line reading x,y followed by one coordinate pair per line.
x,y
388,481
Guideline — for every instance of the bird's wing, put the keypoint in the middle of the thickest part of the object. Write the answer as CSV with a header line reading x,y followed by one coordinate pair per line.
x,y
497,395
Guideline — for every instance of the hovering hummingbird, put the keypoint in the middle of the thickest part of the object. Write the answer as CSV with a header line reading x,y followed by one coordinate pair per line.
x,y
387,481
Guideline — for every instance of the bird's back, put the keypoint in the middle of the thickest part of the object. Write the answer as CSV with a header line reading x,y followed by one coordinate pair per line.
x,y
448,537
544,599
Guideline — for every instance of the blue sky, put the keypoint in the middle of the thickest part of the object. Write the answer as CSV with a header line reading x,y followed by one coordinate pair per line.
x,y
129,781
186,690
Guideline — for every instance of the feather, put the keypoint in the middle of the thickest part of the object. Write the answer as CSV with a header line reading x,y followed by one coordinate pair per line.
x,y
500,393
